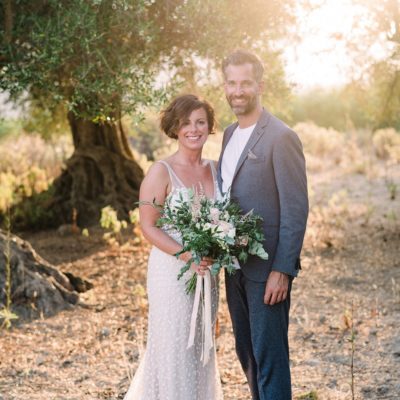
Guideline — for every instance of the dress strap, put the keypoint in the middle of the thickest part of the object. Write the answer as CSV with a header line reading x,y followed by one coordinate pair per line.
x,y
215,178
213,170
175,181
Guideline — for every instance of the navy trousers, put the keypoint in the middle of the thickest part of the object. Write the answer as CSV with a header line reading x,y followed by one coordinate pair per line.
x,y
261,337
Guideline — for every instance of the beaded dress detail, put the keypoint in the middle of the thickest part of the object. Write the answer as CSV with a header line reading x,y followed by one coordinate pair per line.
x,y
168,370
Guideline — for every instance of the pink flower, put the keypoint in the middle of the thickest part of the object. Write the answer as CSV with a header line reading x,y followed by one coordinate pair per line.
x,y
242,240
214,214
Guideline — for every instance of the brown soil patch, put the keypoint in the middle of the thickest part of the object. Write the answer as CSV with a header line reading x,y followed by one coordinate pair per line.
x,y
351,276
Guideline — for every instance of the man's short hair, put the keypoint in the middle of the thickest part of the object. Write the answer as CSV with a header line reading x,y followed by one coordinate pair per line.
x,y
240,57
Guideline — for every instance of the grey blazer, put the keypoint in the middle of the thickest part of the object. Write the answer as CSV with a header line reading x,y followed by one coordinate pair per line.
x,y
270,178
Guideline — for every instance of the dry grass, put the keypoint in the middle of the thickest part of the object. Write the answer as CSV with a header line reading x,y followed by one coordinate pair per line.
x,y
28,165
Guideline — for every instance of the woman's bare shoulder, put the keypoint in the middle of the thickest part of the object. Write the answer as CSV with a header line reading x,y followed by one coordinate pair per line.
x,y
156,175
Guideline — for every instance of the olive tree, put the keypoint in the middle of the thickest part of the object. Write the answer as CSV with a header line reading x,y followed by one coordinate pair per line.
x,y
100,59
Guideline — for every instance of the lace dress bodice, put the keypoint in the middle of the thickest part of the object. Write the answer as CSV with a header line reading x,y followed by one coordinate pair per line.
x,y
178,189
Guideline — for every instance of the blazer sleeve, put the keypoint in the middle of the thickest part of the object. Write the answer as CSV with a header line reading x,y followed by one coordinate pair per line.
x,y
291,181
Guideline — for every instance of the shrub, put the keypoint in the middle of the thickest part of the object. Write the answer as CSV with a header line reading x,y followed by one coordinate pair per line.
x,y
321,142
28,166
387,144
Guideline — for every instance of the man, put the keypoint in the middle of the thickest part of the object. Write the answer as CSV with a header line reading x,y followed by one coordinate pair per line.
x,y
262,163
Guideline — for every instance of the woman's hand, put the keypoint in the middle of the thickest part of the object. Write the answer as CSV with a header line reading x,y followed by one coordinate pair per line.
x,y
204,266
199,269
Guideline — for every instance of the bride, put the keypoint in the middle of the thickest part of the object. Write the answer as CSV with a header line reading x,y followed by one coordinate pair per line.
x,y
168,369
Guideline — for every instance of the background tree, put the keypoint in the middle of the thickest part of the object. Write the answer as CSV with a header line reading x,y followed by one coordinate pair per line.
x,y
375,47
100,59
385,73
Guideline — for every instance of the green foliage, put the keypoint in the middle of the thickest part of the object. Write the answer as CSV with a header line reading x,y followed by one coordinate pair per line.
x,y
211,228
109,220
134,216
384,92
378,77
89,55
44,121
28,166
9,127
27,194
313,395
33,212
99,58
7,316
340,109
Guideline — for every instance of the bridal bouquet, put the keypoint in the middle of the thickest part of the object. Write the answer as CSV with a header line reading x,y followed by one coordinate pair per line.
x,y
212,228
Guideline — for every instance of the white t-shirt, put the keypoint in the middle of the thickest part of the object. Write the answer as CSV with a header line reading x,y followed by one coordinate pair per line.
x,y
232,153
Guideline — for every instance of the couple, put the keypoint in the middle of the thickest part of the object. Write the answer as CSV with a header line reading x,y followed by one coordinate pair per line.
x,y
263,165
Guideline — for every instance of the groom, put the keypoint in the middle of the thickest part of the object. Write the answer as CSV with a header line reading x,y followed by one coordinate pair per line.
x,y
262,162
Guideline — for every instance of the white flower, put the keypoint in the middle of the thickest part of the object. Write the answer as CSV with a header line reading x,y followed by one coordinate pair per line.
x,y
232,233
207,226
226,229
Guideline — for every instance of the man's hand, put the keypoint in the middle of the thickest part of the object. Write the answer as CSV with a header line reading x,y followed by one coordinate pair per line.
x,y
276,288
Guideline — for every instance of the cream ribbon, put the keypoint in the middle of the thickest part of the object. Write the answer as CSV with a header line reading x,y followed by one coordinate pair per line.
x,y
206,323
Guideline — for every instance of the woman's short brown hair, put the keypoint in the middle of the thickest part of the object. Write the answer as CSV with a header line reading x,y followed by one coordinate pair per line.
x,y
179,109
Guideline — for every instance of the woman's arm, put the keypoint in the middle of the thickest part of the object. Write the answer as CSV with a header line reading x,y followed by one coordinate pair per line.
x,y
155,187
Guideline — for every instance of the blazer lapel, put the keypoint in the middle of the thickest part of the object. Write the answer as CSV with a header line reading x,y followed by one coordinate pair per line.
x,y
258,131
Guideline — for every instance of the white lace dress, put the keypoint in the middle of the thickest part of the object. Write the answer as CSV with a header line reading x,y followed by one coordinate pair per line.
x,y
168,370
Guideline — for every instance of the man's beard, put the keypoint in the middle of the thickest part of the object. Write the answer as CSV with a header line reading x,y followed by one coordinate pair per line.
x,y
245,108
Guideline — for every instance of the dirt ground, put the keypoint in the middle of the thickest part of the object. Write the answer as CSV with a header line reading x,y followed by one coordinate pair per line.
x,y
350,281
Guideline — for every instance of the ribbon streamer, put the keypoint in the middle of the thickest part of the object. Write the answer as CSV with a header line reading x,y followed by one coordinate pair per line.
x,y
206,322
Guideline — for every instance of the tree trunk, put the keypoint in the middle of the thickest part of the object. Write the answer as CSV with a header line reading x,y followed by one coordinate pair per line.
x,y
101,172
37,287
8,21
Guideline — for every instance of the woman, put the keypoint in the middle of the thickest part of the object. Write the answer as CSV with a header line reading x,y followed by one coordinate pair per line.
x,y
169,370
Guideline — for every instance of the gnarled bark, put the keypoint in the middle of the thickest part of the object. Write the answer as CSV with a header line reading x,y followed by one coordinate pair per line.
x,y
101,172
37,287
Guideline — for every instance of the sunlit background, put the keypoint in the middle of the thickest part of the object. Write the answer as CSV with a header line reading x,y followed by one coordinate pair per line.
x,y
320,58
329,33
89,81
